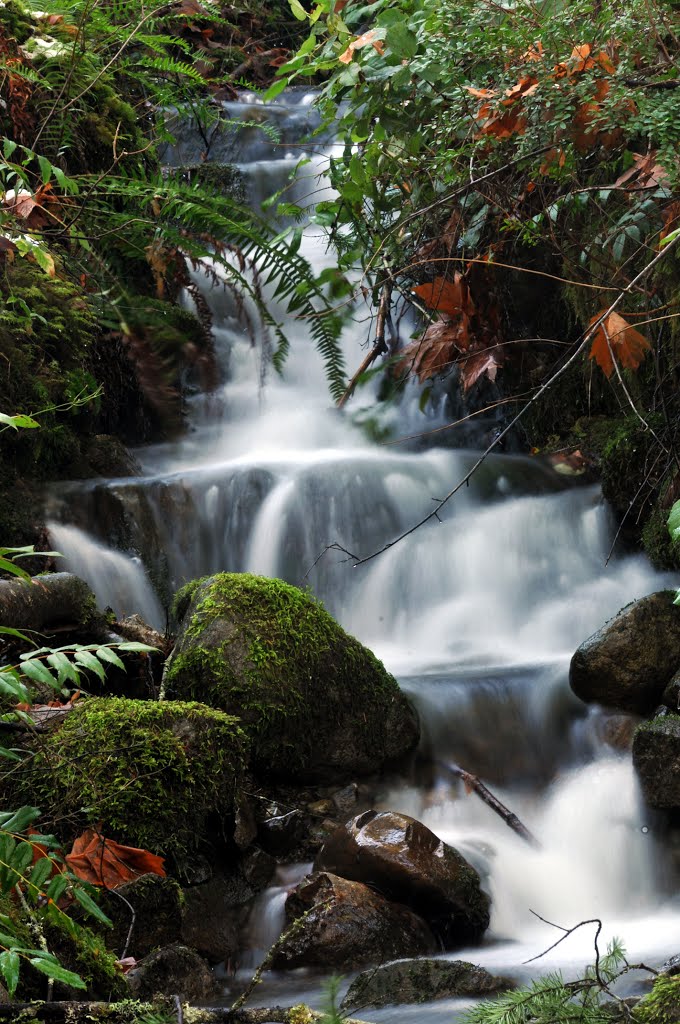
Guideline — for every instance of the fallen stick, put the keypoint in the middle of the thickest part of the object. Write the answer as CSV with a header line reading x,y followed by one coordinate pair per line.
x,y
64,1012
511,820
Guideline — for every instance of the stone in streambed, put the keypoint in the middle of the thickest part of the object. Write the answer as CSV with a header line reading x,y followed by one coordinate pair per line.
x,y
420,981
408,863
316,704
344,925
628,663
175,970
656,759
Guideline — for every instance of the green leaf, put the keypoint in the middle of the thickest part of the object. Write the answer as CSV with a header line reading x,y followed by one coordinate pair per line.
x,y
17,821
10,754
9,968
133,645
45,169
63,667
275,89
57,887
7,566
8,147
8,631
401,41
41,872
673,521
53,969
88,904
39,672
106,654
88,660
298,10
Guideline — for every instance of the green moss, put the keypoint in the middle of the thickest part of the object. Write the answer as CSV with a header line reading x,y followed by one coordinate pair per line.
x,y
662,1005
15,22
662,552
274,655
157,775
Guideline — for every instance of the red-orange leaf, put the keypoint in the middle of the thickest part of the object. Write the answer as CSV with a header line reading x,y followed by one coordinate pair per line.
x,y
450,298
616,339
104,862
478,363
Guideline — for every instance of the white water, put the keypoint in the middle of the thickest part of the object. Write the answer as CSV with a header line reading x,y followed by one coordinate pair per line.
x,y
478,615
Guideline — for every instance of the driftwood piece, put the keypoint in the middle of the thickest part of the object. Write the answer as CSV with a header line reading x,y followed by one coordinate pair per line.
x,y
43,603
511,820
73,1012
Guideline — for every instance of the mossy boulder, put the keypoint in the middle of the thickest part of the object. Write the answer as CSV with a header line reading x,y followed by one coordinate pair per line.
x,y
156,775
662,1005
317,705
628,663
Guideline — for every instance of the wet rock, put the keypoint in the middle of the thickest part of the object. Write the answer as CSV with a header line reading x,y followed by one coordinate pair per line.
x,y
345,800
281,834
419,981
108,456
258,868
317,705
347,925
173,970
671,966
656,759
671,695
245,826
321,808
157,906
214,914
628,663
408,863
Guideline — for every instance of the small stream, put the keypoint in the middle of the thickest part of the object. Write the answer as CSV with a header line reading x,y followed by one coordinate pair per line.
x,y
476,615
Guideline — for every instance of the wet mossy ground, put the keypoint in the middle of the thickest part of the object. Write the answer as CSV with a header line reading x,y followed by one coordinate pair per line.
x,y
156,775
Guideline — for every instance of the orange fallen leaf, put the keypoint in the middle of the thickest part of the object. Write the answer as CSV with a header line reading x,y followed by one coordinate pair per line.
x,y
477,364
448,297
104,862
616,339
437,350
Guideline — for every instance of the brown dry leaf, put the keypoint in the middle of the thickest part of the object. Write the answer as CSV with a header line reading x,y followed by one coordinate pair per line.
x,y
438,348
358,43
478,363
616,337
104,862
645,172
450,298
525,87
670,218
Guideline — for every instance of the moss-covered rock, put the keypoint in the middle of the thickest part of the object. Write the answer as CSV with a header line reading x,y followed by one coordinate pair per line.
x,y
317,704
156,775
662,1005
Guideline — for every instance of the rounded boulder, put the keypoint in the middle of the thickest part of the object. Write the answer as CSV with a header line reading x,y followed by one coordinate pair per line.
x,y
628,663
408,863
343,925
317,705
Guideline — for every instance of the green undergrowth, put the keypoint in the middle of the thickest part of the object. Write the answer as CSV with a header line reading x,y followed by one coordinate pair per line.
x,y
160,776
662,1005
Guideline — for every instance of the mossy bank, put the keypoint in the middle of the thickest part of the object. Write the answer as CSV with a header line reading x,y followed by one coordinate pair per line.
x,y
316,704
161,776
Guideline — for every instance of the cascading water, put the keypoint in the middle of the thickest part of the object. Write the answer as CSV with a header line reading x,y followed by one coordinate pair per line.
x,y
477,614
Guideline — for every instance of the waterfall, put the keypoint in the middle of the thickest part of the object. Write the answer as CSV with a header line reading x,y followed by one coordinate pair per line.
x,y
477,613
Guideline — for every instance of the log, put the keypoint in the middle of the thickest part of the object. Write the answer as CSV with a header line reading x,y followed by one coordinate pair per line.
x,y
55,601
68,1011
509,817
